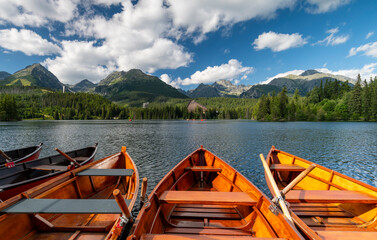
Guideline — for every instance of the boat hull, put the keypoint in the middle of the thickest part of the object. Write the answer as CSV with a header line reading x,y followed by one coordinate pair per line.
x,y
203,197
72,222
325,203
26,175
22,155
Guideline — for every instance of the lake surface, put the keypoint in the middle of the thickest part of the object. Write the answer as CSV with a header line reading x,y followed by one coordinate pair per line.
x,y
157,146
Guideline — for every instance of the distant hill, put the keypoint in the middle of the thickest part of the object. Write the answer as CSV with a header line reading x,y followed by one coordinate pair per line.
x,y
222,88
135,87
84,86
304,82
35,75
4,75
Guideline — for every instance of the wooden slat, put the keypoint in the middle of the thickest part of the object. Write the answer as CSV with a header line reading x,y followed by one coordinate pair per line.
x,y
206,215
49,167
207,231
206,206
324,196
346,235
324,214
203,169
198,197
316,209
197,237
287,167
205,210
65,206
106,172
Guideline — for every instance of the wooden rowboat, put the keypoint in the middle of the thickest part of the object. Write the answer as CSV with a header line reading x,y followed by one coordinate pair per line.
x,y
205,198
20,155
75,205
325,204
24,176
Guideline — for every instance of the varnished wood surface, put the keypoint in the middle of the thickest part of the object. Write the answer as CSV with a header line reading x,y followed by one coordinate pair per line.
x,y
326,204
198,237
286,167
197,197
347,235
324,196
73,221
203,197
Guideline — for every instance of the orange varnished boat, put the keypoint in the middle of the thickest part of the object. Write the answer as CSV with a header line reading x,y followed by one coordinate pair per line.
x,y
205,198
325,204
75,205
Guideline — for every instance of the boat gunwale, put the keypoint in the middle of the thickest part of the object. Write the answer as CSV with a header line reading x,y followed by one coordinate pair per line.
x,y
38,148
13,185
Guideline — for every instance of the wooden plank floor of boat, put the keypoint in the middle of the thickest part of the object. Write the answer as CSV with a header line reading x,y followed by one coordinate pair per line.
x,y
201,221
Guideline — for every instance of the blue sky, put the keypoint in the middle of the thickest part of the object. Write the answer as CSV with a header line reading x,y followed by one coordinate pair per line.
x,y
186,43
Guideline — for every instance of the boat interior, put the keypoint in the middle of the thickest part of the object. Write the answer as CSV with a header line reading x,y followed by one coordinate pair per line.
x,y
205,198
44,166
76,205
331,204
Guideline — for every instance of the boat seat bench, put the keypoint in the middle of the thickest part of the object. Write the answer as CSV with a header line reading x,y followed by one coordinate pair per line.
x,y
347,235
200,197
74,206
198,237
326,196
106,172
287,167
203,169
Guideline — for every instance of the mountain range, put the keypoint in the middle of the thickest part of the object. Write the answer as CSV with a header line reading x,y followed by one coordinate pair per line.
x,y
134,87
35,75
222,88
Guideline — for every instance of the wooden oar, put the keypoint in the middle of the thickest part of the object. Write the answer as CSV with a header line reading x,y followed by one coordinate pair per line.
x,y
276,191
122,205
296,181
7,158
68,157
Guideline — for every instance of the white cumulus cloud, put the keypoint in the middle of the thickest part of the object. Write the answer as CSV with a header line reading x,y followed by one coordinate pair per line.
x,y
323,6
197,16
369,49
332,39
369,35
26,41
278,41
36,12
228,71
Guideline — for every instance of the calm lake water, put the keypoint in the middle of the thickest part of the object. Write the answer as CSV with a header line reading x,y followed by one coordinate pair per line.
x,y
157,146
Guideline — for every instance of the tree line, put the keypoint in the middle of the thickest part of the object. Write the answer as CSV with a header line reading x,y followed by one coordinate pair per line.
x,y
331,101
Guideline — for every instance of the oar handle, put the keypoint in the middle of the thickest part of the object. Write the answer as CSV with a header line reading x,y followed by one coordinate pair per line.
x,y
68,157
122,205
276,190
5,156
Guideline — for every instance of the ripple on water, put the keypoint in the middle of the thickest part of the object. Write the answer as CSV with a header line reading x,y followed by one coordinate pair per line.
x,y
157,146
